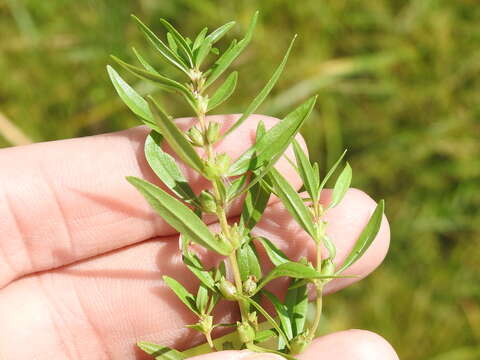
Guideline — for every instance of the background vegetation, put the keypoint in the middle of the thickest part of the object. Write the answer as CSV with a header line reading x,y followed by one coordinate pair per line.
x,y
399,85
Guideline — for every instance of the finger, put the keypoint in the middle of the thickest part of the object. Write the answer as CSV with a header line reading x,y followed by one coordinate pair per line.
x,y
64,201
105,304
349,345
342,345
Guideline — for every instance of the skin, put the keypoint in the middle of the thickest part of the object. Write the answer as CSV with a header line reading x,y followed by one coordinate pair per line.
x,y
82,253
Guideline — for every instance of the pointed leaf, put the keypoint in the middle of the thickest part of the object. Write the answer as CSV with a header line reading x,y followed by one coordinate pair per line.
x,y
224,91
163,81
179,39
202,299
330,172
267,316
296,302
283,316
175,137
262,95
305,170
179,216
294,270
231,54
261,130
160,352
196,267
144,62
187,298
199,39
166,168
218,33
292,202
131,98
274,142
202,52
161,47
276,256
264,335
248,261
172,44
341,186
255,204
366,237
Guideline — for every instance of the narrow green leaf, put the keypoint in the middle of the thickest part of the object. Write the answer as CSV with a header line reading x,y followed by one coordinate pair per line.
x,y
330,172
175,137
341,186
231,54
283,316
265,335
294,270
179,216
262,95
144,62
274,142
255,204
236,187
160,352
199,39
163,81
202,52
305,170
224,91
131,98
366,237
276,256
218,33
292,202
296,302
161,47
172,44
248,261
187,298
179,39
196,267
267,316
166,168
201,299
261,130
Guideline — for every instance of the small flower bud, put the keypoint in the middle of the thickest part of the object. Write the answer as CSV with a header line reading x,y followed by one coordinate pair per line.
x,y
222,163
208,203
249,286
300,343
246,332
213,131
195,136
228,290
206,323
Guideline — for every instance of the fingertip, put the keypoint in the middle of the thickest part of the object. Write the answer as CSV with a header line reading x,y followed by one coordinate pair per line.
x,y
351,344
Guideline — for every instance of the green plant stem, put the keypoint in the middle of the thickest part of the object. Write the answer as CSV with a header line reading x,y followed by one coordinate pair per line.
x,y
318,308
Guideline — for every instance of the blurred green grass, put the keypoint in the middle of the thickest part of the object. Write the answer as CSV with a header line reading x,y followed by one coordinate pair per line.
x,y
399,86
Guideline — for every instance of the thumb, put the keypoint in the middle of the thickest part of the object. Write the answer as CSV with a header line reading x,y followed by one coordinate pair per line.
x,y
237,355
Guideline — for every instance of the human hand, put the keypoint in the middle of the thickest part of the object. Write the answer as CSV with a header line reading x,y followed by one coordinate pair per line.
x,y
82,254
